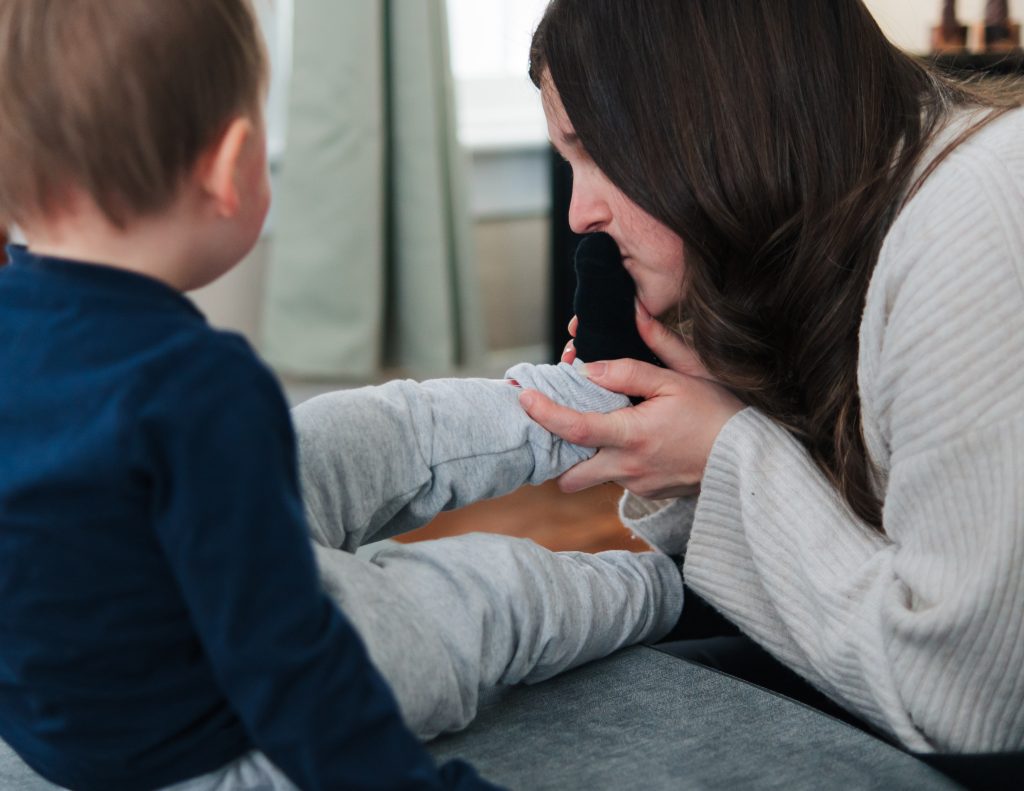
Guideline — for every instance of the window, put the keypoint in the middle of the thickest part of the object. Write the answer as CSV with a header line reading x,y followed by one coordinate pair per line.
x,y
498,107
275,17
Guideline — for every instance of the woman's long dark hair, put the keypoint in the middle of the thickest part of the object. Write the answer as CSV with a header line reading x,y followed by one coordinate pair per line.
x,y
778,139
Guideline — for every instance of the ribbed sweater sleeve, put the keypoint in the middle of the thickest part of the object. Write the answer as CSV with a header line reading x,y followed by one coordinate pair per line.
x,y
920,630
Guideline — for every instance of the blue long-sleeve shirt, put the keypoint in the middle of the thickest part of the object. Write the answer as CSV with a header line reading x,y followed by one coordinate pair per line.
x,y
161,611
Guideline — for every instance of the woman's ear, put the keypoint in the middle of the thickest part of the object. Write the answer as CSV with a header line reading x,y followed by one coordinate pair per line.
x,y
219,166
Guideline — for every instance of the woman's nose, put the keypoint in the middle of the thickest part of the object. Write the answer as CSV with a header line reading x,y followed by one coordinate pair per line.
x,y
588,210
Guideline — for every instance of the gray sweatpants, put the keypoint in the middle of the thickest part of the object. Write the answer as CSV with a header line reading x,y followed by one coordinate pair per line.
x,y
445,620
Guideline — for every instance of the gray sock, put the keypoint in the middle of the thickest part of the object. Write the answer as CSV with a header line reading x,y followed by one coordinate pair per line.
x,y
565,385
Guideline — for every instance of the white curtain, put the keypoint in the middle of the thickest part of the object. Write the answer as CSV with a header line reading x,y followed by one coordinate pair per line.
x,y
371,263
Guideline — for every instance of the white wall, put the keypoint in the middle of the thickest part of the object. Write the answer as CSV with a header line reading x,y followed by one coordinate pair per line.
x,y
908,22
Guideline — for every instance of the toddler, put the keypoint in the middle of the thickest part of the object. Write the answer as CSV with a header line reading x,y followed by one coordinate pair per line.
x,y
165,622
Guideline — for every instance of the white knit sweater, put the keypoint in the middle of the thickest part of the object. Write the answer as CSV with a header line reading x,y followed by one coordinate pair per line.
x,y
920,631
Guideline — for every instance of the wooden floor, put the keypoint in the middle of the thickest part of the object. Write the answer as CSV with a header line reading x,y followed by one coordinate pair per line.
x,y
587,521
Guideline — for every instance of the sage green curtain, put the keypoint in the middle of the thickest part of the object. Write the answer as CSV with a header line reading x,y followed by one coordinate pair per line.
x,y
371,262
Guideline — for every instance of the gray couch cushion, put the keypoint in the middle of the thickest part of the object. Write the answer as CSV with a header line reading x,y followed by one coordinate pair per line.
x,y
643,719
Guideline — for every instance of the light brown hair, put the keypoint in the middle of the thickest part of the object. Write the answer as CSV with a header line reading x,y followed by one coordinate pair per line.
x,y
117,98
779,139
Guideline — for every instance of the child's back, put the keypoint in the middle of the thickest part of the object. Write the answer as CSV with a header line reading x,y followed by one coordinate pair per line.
x,y
162,615
109,516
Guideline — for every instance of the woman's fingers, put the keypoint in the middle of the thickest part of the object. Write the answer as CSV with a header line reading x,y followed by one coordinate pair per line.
x,y
670,348
589,429
610,465
629,377
606,466
657,449
569,353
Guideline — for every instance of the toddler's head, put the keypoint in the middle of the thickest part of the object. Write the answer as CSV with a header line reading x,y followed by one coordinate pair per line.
x,y
128,113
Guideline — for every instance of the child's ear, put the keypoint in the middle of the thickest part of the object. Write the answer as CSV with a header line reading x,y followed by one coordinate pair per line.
x,y
219,166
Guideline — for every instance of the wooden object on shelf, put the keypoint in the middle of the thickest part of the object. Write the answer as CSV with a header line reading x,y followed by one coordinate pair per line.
x,y
950,37
1000,39
998,33
997,12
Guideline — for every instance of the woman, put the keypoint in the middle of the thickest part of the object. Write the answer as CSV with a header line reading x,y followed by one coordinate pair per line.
x,y
836,231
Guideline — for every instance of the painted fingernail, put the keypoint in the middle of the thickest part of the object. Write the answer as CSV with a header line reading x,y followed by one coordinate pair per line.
x,y
568,346
592,370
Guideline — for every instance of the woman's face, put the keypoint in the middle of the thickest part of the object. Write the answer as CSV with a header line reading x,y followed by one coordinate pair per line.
x,y
651,252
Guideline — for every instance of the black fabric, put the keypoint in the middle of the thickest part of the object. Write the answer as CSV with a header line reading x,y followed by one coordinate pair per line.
x,y
700,620
981,771
604,304
562,276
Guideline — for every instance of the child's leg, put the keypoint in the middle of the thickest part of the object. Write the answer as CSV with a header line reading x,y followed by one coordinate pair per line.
x,y
252,771
15,773
446,619
379,461
443,620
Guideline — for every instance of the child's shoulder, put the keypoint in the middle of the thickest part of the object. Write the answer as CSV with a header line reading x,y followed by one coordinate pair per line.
x,y
206,369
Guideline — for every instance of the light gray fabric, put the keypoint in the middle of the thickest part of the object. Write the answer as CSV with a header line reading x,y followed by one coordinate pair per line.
x,y
447,620
480,610
372,254
379,461
642,719
920,630
252,772
15,774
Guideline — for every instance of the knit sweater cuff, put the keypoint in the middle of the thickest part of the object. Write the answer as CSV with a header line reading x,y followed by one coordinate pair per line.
x,y
766,513
664,524
721,474
757,475
718,534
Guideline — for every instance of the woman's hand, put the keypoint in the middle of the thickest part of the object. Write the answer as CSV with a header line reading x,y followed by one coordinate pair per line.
x,y
569,352
659,448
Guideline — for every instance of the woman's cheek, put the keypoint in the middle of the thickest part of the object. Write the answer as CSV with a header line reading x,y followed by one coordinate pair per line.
x,y
657,291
